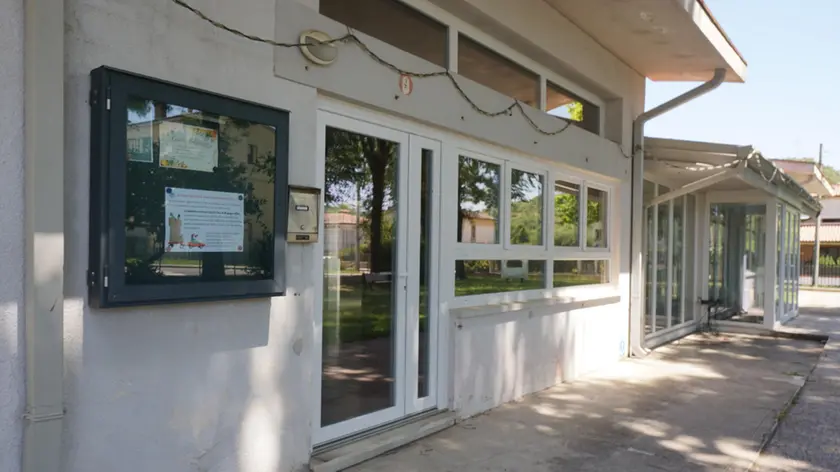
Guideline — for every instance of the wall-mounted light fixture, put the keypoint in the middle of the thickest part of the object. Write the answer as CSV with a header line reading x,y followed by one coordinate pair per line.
x,y
315,47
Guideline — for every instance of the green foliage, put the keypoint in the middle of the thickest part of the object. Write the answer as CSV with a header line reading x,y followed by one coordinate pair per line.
x,y
826,260
575,111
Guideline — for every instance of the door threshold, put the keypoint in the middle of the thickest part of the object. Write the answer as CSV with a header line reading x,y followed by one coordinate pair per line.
x,y
348,452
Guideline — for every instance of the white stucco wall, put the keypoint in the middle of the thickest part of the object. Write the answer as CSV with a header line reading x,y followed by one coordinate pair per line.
x,y
11,234
228,386
209,387
499,358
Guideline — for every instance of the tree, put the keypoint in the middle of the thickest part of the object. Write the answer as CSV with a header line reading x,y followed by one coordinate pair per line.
x,y
575,111
478,186
355,160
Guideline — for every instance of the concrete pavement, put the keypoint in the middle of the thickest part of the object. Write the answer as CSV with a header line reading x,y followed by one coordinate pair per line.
x,y
703,403
808,438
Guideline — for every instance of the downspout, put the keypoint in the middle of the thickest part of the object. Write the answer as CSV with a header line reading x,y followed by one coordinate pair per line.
x,y
636,331
44,234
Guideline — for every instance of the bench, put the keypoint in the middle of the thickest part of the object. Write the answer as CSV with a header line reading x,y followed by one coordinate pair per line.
x,y
373,278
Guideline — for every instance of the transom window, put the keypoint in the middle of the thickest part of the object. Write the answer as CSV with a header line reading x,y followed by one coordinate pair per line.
x,y
393,22
415,32
511,238
481,64
564,104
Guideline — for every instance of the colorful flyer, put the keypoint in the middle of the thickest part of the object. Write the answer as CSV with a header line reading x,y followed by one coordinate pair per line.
x,y
188,147
204,221
139,142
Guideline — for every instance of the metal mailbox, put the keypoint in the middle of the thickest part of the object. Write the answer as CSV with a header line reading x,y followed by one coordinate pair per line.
x,y
304,214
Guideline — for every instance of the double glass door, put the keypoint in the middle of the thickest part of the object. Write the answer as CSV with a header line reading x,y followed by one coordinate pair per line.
x,y
378,327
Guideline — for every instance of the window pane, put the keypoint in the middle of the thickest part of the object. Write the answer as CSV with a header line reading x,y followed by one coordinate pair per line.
x,y
559,102
575,272
394,23
566,214
691,240
478,201
676,264
479,277
526,208
426,218
359,296
596,218
492,70
663,240
650,262
198,207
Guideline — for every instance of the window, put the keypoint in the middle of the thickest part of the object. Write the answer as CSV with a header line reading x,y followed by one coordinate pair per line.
x,y
564,104
570,273
488,68
566,214
479,277
393,22
478,200
526,208
189,218
596,218
537,251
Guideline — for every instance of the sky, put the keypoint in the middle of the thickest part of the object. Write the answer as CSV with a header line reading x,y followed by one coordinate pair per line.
x,y
790,102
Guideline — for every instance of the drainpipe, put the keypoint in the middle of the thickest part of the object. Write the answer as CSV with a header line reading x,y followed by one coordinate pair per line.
x,y
636,244
43,52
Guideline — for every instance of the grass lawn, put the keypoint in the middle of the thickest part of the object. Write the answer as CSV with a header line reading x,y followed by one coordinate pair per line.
x,y
352,314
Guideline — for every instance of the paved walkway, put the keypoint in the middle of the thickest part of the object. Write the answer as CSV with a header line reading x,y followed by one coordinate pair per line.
x,y
702,404
808,438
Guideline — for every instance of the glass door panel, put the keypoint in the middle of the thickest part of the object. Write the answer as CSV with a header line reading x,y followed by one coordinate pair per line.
x,y
421,359
365,270
378,326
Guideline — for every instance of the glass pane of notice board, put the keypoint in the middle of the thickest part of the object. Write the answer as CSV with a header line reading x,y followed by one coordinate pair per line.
x,y
194,188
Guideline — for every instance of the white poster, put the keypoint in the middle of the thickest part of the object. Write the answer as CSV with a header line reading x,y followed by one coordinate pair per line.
x,y
188,147
204,221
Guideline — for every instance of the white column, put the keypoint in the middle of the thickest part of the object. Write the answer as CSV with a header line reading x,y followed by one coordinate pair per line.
x,y
44,232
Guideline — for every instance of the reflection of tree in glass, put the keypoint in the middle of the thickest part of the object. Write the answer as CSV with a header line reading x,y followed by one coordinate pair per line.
x,y
526,208
478,191
145,184
369,164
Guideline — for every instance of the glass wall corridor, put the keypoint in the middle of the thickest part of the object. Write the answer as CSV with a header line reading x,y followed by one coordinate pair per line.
x,y
737,255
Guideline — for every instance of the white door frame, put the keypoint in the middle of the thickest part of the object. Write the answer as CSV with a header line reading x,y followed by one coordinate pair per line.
x,y
406,316
417,144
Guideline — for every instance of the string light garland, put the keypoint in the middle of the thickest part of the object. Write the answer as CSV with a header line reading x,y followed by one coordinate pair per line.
x,y
351,38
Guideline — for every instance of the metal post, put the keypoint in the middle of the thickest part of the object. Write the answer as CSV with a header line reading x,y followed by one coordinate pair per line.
x,y
816,251
44,233
637,271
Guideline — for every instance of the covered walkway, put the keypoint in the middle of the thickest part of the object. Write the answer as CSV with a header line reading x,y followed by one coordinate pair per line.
x,y
702,403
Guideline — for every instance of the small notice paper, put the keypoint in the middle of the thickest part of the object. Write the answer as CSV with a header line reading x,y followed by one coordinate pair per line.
x,y
188,147
204,221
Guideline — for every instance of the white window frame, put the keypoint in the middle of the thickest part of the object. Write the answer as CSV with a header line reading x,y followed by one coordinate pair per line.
x,y
573,251
538,249
653,252
479,250
585,213
546,252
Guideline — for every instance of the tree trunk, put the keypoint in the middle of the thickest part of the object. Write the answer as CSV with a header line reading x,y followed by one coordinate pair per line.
x,y
377,163
460,270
